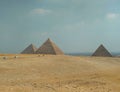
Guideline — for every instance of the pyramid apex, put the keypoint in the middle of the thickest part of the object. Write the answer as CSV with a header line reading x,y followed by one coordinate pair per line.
x,y
102,45
31,44
48,39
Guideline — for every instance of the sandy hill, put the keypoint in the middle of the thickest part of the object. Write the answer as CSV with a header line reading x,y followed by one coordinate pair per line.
x,y
35,73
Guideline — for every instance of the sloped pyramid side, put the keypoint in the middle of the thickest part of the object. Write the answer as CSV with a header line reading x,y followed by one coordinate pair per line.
x,y
49,48
102,51
31,49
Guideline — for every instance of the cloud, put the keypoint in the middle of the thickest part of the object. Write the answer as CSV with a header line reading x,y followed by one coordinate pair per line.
x,y
40,11
112,15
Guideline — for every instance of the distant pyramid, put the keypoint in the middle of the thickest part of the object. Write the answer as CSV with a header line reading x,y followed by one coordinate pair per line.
x,y
31,49
102,51
49,48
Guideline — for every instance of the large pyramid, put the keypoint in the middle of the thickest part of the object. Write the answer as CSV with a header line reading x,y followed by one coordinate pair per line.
x,y
49,48
102,51
31,49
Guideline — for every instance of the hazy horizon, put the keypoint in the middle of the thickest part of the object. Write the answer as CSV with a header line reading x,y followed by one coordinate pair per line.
x,y
74,25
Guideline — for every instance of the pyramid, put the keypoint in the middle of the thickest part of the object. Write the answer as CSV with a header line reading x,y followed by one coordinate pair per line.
x,y
49,47
29,50
102,51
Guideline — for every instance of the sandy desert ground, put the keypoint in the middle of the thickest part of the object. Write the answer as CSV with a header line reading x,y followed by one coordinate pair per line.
x,y
37,73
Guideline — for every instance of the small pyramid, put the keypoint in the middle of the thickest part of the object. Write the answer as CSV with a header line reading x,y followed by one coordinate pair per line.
x,y
49,48
29,50
102,51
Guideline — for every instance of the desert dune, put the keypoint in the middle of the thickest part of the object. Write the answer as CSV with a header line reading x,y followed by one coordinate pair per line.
x,y
59,73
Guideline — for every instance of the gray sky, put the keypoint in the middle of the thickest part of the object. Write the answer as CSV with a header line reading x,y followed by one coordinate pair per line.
x,y
74,25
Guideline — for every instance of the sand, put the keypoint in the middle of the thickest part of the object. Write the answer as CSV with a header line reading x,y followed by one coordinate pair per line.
x,y
38,73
